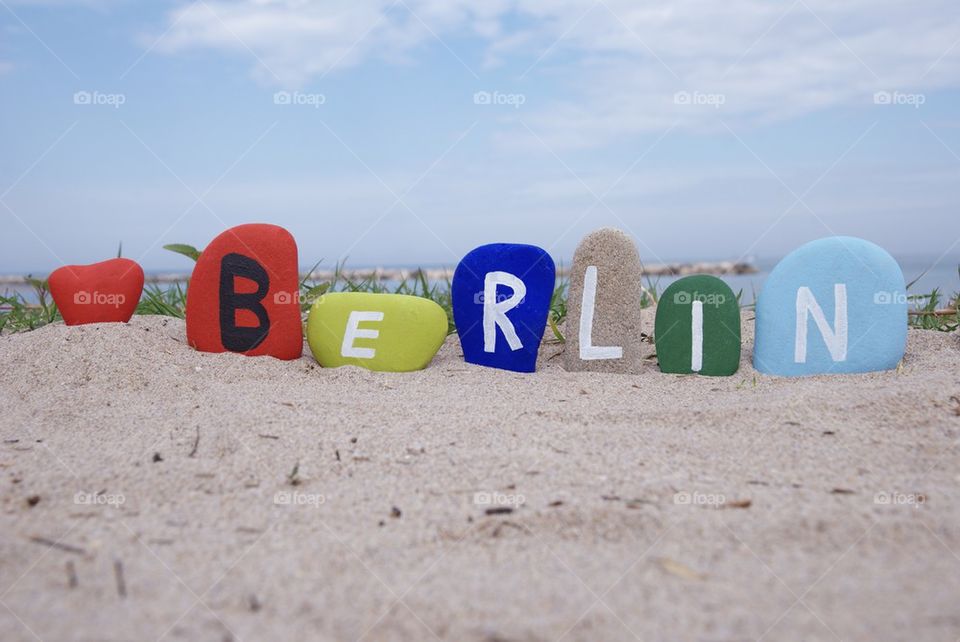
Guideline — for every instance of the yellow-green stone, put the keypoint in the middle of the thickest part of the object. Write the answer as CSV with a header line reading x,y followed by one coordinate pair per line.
x,y
384,332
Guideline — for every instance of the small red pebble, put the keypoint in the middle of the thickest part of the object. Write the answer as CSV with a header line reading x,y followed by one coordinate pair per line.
x,y
103,292
244,294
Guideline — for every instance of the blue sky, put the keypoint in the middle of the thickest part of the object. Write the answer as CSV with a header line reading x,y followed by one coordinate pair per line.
x,y
706,130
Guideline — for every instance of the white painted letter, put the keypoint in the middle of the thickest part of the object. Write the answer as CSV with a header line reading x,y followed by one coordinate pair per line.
x,y
589,352
836,339
495,312
696,328
354,332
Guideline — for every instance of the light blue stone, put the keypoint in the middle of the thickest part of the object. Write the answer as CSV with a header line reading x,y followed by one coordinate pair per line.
x,y
819,275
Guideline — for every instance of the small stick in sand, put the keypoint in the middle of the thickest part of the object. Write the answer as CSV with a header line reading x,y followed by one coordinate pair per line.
x,y
37,539
72,580
293,478
196,444
499,510
121,582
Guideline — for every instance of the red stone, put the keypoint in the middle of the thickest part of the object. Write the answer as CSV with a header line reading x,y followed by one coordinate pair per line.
x,y
103,292
244,294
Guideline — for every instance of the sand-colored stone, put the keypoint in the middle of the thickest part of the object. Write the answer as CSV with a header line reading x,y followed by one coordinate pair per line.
x,y
616,319
605,465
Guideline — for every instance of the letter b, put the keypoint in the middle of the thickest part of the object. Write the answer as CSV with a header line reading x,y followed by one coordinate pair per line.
x,y
242,338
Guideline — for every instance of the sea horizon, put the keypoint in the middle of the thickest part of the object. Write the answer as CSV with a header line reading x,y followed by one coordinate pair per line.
x,y
926,273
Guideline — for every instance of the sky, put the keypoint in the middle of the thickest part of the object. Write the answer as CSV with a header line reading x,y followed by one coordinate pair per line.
x,y
408,132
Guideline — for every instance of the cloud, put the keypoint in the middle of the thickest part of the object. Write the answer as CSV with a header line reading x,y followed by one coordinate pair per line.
x,y
746,62
636,67
626,68
292,40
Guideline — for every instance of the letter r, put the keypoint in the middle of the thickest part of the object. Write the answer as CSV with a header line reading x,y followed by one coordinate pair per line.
x,y
495,312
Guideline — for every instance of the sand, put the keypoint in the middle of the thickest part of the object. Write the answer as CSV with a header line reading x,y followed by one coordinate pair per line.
x,y
656,507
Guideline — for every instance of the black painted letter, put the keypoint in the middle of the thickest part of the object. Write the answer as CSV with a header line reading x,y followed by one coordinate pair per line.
x,y
237,339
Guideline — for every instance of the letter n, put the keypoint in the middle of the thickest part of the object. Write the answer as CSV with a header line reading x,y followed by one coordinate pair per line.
x,y
835,338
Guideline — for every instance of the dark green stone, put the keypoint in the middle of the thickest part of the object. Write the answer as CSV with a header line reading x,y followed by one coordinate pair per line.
x,y
673,332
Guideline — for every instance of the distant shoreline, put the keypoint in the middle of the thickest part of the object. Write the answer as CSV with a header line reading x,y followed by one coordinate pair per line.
x,y
445,273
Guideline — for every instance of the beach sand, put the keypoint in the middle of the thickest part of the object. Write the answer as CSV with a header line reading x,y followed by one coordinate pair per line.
x,y
655,507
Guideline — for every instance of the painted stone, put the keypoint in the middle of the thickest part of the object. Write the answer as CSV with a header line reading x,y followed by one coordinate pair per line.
x,y
383,332
103,292
501,297
836,305
603,308
243,295
697,328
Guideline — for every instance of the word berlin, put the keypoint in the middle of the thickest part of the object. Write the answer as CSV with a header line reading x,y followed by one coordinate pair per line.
x,y
836,305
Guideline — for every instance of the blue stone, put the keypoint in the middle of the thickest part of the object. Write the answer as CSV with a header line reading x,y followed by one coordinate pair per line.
x,y
832,306
501,297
